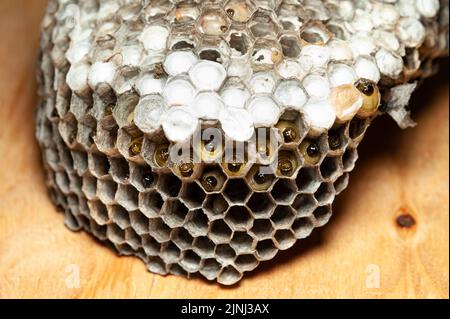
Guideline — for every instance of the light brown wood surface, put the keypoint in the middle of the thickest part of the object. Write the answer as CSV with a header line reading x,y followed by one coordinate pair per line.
x,y
398,172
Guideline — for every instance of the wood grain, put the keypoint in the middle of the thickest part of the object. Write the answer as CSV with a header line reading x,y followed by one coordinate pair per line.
x,y
398,172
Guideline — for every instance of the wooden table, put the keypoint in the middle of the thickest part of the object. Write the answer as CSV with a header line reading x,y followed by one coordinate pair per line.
x,y
361,253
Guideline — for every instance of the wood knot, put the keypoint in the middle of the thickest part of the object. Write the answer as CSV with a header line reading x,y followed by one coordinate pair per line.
x,y
405,219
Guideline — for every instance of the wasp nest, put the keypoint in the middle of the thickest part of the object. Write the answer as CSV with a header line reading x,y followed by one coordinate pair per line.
x,y
205,136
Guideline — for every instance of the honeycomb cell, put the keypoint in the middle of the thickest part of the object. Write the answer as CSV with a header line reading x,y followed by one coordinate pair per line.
x,y
143,178
229,276
215,206
236,191
266,249
292,126
182,238
212,179
150,203
174,213
304,205
325,194
238,217
220,232
246,262
302,227
99,212
139,222
197,223
192,195
308,180
240,43
330,168
127,196
239,10
157,265
322,215
120,169
262,228
132,238
284,239
337,140
204,247
349,159
170,185
289,163
261,205
284,191
263,24
357,128
190,261
211,268
98,165
242,242
283,217
115,234
225,254
290,45
213,22
159,230
170,253
106,190
119,215
341,183
150,245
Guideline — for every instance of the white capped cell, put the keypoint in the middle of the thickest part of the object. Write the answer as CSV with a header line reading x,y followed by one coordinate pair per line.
x,y
178,62
207,75
78,51
264,111
179,91
427,8
101,72
386,39
289,69
340,50
235,96
131,55
366,68
314,57
290,93
411,31
390,64
317,86
179,124
362,45
148,84
154,38
77,77
320,115
384,15
237,123
148,113
263,82
340,73
207,106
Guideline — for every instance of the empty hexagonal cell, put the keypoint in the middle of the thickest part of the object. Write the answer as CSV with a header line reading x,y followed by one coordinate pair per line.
x,y
240,43
210,269
170,252
284,239
263,24
236,190
142,177
139,222
212,179
98,212
215,206
80,160
331,168
308,180
262,228
150,245
266,54
62,181
302,227
246,262
190,261
304,205
341,183
261,205
170,185
119,216
177,270
150,203
124,108
239,10
284,191
127,196
98,231
98,164
182,238
219,232
192,195
283,216
315,33
239,218
106,136
204,247
225,254
174,213
159,230
349,159
322,215
325,194
260,178
157,265
242,242
197,223
120,170
213,22
106,190
357,128
115,234
266,250
229,276
337,140
214,50
290,45
132,238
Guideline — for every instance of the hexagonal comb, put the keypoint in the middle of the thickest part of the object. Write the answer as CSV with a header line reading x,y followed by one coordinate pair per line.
x,y
206,136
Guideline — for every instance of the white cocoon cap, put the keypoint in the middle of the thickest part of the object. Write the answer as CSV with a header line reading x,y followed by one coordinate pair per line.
x,y
77,77
263,82
154,38
291,93
427,8
207,106
317,86
147,84
235,96
179,124
411,31
313,57
148,113
101,72
237,124
320,115
179,91
341,74
178,62
366,68
389,63
264,111
207,75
